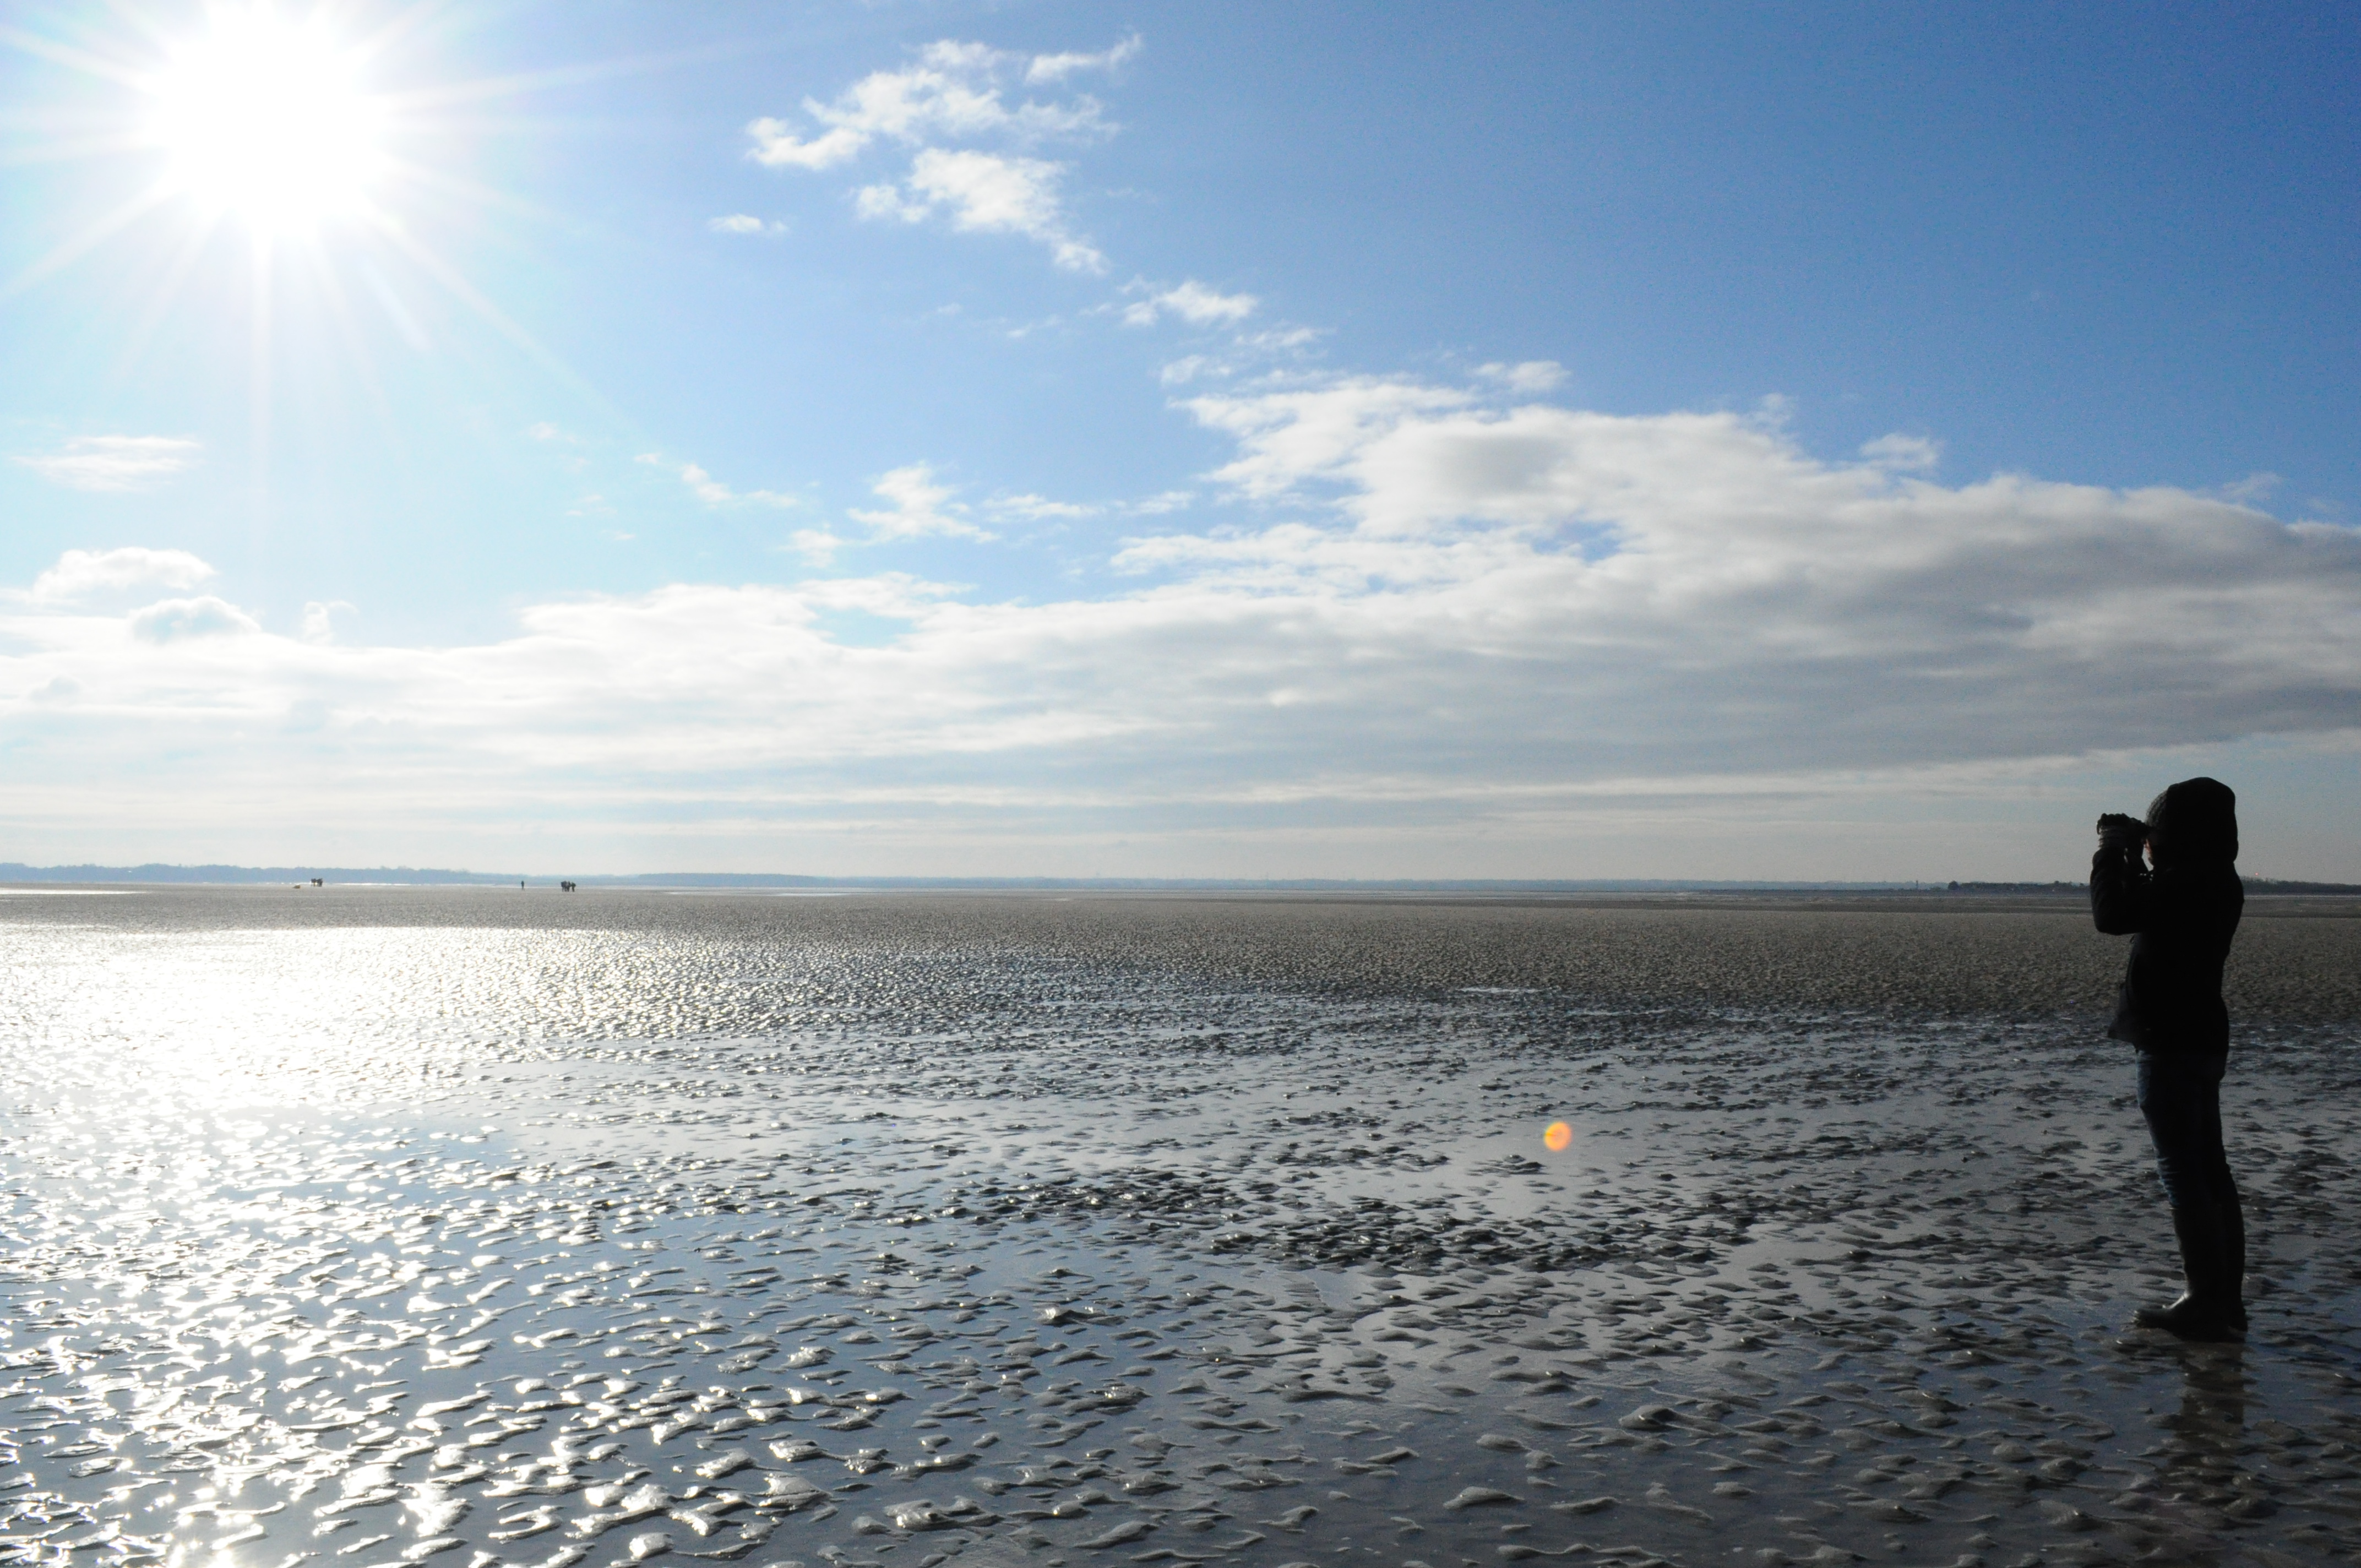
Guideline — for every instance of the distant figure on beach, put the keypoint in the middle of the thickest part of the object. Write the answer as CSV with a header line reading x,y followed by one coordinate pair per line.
x,y
2180,908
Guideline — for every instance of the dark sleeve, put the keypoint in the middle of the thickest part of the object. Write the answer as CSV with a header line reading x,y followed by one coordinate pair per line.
x,y
2122,894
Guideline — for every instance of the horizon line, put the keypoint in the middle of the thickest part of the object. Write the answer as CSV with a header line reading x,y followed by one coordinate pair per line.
x,y
162,873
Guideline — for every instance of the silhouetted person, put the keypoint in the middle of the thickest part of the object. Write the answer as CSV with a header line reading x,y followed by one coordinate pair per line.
x,y
2180,909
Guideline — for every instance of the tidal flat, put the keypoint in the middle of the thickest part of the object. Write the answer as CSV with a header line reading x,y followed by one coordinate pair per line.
x,y
496,1226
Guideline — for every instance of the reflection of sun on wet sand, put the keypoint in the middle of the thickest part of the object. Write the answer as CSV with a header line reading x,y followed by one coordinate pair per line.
x,y
864,1231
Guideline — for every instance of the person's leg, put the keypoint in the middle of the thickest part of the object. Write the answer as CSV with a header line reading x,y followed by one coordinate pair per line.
x,y
2179,1096
2226,1228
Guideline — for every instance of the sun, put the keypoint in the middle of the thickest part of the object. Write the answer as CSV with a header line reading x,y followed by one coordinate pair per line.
x,y
271,120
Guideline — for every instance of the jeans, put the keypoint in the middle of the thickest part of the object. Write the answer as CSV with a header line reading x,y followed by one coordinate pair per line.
x,y
2180,1095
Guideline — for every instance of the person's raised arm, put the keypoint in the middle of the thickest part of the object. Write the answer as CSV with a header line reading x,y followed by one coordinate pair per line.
x,y
2119,883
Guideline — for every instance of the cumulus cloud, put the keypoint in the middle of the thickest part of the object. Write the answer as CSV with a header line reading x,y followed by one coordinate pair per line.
x,y
1039,509
776,147
919,508
2252,491
1058,67
80,573
1527,376
320,619
169,621
985,194
1903,453
711,490
1273,351
952,91
818,547
956,93
1446,608
743,223
114,462
1703,594
1193,303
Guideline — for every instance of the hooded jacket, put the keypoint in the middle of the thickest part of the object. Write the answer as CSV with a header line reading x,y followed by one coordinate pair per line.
x,y
2180,917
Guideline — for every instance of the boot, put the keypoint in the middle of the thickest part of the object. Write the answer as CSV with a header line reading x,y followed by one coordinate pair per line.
x,y
2213,1258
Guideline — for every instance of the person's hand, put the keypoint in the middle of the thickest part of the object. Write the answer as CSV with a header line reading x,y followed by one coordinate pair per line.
x,y
2121,833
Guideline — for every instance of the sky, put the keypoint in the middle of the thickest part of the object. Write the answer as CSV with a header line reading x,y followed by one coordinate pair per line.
x,y
1846,442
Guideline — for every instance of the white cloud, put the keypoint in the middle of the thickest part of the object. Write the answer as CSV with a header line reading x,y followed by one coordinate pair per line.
x,y
956,93
952,93
1274,351
1707,596
711,490
1290,438
1528,376
1039,509
114,462
2252,491
79,572
1193,303
1450,618
818,547
743,223
776,147
920,508
319,620
1903,454
168,620
986,193
884,200
1058,67
1280,340
704,486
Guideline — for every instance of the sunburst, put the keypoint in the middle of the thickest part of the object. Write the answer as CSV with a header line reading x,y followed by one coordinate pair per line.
x,y
270,119
305,140
275,124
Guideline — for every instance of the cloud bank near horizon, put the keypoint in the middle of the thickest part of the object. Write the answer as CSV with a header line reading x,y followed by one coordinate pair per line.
x,y
1454,606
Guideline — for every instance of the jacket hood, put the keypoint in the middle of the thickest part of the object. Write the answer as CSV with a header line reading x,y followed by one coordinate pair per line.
x,y
2196,819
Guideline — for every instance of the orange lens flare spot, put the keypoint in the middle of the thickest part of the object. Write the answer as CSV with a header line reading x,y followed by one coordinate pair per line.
x,y
1558,1137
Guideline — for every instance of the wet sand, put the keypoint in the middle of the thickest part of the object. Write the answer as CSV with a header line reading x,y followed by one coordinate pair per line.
x,y
481,1226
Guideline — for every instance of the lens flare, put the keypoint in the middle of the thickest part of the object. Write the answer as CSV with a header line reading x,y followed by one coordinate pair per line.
x,y
1558,1137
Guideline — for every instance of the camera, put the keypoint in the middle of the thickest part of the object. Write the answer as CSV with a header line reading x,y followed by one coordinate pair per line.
x,y
2120,832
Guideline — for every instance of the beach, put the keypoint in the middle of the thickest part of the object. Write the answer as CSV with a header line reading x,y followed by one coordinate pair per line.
x,y
481,1226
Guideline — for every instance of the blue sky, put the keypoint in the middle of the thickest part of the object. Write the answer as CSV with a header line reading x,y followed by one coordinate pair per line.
x,y
1562,440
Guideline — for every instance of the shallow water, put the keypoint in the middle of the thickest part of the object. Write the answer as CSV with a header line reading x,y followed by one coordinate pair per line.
x,y
489,1227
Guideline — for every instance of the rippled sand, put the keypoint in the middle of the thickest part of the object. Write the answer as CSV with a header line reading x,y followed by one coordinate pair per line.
x,y
488,1226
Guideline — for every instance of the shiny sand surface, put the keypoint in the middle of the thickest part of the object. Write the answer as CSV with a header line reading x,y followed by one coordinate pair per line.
x,y
484,1226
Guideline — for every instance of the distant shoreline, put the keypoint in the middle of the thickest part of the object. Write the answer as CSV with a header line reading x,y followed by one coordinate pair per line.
x,y
156,874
